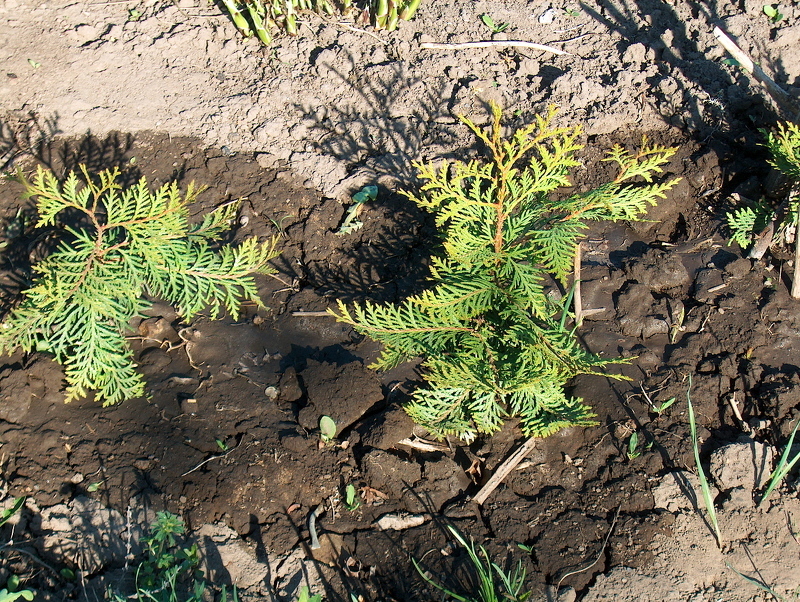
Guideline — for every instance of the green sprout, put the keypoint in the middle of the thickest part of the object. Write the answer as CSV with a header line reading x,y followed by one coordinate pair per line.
x,y
327,429
772,11
351,222
305,596
707,499
351,501
498,27
785,464
633,444
494,583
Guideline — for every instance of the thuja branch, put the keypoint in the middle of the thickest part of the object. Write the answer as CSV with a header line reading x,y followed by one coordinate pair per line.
x,y
131,242
493,341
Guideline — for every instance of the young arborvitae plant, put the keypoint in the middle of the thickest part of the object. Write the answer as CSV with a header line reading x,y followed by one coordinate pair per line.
x,y
763,225
119,244
495,342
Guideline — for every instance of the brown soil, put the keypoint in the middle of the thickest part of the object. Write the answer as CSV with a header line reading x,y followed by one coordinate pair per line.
x,y
293,130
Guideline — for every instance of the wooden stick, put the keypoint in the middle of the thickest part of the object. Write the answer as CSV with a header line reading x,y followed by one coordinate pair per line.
x,y
796,278
491,44
576,295
502,471
311,314
780,95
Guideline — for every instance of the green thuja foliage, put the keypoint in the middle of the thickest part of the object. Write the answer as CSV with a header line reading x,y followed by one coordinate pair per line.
x,y
746,221
123,243
495,341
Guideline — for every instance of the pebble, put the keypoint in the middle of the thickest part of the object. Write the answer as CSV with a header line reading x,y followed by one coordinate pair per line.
x,y
547,16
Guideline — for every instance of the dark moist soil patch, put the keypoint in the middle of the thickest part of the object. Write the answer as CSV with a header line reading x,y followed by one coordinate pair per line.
x,y
229,434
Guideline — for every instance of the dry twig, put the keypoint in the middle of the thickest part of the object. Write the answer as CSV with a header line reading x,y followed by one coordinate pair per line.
x,y
780,95
502,471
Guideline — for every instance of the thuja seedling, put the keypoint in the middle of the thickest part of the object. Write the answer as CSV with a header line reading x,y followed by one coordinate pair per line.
x,y
495,342
759,222
118,244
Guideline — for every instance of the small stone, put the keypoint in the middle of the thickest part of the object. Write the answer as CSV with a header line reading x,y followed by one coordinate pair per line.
x,y
77,478
271,393
547,16
143,464
189,405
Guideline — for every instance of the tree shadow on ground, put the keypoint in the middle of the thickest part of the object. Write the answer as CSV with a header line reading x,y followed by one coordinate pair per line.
x,y
727,101
406,114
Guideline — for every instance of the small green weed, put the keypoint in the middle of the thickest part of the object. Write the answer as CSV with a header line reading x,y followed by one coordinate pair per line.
x,y
633,446
11,591
327,429
772,11
707,499
351,501
305,596
495,27
494,584
351,222
661,408
169,572
785,465
263,17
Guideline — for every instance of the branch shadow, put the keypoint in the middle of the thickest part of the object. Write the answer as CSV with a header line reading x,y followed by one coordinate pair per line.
x,y
405,114
727,102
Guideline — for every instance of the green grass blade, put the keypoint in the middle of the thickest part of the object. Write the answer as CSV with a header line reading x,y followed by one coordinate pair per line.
x,y
783,467
709,503
756,582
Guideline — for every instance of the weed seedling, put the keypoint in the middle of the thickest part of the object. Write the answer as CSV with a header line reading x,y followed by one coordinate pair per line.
x,y
785,465
707,499
169,572
222,445
351,222
494,584
223,597
9,593
772,11
495,27
305,596
633,445
351,501
327,429
10,596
